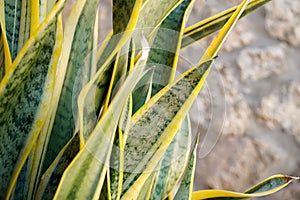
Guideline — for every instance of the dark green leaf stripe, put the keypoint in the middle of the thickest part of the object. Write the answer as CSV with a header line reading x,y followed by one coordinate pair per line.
x,y
186,186
12,23
203,29
122,10
163,53
87,171
25,19
164,48
148,126
77,75
50,180
2,57
173,162
266,187
269,184
153,13
19,101
22,100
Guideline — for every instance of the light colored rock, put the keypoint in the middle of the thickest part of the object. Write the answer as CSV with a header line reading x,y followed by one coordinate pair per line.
x,y
239,37
235,164
259,63
283,20
220,95
282,109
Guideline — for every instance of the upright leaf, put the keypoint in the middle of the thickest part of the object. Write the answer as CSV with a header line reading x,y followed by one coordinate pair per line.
x,y
173,162
164,52
73,74
162,117
85,175
24,100
153,13
185,189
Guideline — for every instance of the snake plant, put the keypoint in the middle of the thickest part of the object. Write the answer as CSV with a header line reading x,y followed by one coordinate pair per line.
x,y
79,120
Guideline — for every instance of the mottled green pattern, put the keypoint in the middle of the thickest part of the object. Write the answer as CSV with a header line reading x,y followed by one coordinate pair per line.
x,y
215,25
153,13
148,128
186,185
24,31
12,23
82,177
164,48
122,10
269,185
162,54
77,75
51,179
19,101
173,162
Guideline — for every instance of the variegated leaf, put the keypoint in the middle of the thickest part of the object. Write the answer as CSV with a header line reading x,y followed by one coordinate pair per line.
x,y
25,95
211,25
266,187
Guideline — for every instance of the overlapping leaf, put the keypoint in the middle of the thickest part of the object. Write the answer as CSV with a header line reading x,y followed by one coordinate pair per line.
x,y
84,177
74,72
24,100
211,25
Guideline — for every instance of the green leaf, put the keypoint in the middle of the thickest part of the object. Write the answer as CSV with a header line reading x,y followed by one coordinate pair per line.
x,y
50,179
173,162
85,175
164,52
185,189
212,24
12,24
266,187
161,116
73,74
24,100
153,12
5,62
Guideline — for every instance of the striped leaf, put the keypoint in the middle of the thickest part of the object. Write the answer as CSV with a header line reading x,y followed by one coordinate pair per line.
x,y
153,13
12,10
266,187
30,173
84,177
173,162
5,62
50,180
73,74
25,95
185,189
21,20
162,117
210,25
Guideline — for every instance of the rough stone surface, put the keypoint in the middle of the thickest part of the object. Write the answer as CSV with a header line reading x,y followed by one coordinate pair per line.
x,y
243,163
283,20
282,109
239,37
259,63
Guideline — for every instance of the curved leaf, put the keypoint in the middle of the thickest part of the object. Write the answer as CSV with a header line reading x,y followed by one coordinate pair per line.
x,y
210,25
266,187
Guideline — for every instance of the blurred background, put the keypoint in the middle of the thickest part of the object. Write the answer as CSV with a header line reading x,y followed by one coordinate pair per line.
x,y
248,112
